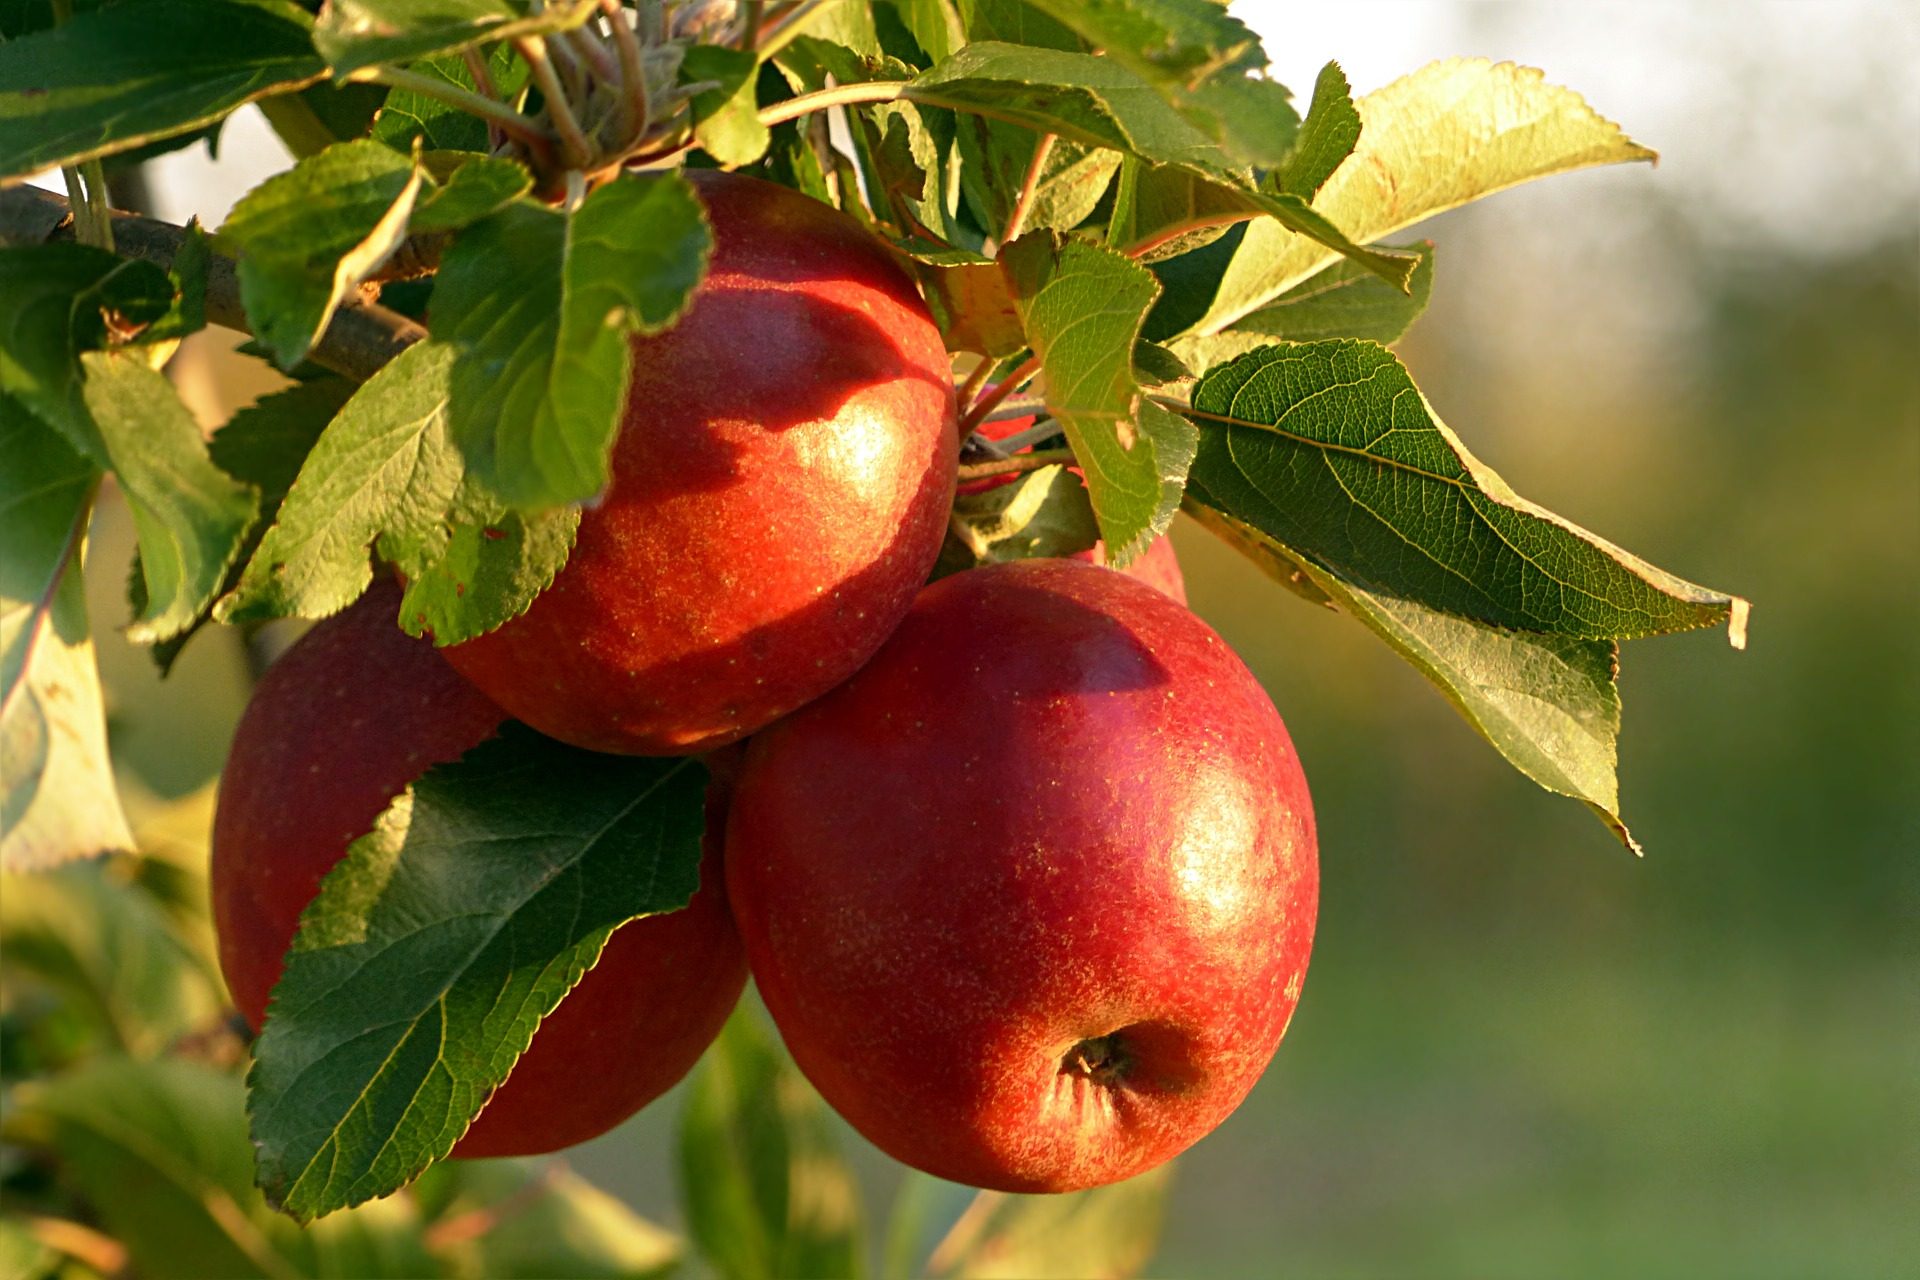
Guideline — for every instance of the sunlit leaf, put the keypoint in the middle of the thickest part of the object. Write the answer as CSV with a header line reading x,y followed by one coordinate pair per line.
x,y
1448,134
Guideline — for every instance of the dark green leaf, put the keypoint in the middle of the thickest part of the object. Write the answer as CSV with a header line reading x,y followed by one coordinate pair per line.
x,y
359,33
108,949
188,314
540,304
1042,513
122,76
439,942
57,793
318,116
385,474
307,236
1343,301
1081,307
440,126
1015,22
933,25
1547,703
1326,139
1329,449
1104,1234
726,121
58,300
766,1193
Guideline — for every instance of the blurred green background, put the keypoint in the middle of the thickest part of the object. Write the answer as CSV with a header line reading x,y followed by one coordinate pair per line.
x,y
1521,1051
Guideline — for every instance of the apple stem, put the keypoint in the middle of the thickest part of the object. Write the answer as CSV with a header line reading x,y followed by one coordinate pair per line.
x,y
1103,1060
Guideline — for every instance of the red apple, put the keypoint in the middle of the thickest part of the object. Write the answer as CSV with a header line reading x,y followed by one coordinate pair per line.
x,y
1157,566
780,491
1030,897
341,724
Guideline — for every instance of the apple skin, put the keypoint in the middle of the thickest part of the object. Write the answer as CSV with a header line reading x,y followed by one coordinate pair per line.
x,y
1030,897
781,484
344,721
1157,566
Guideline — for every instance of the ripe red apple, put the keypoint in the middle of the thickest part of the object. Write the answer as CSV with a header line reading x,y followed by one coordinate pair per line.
x,y
343,722
1030,897
1157,566
780,491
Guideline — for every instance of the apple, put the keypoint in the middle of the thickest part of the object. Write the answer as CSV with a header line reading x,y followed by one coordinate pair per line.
x,y
1157,566
781,484
342,723
1030,897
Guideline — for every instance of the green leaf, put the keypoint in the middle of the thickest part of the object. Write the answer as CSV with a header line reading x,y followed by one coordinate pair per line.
x,y
57,794
1548,704
467,188
726,121
360,33
543,1221
385,474
121,76
1103,1234
1448,134
307,236
188,275
996,158
1342,301
1201,60
1042,513
438,943
540,305
191,516
1101,103
88,933
933,24
1329,449
1081,307
440,126
262,445
1327,138
159,1150
766,1193
58,303
1161,212
58,300
1015,22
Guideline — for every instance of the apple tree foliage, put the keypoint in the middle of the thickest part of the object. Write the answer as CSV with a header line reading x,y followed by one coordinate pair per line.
x,y
1123,227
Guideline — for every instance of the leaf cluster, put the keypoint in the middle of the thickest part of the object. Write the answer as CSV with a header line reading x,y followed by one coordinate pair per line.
x,y
1120,222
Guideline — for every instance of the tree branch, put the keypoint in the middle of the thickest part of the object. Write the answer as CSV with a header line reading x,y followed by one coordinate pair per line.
x,y
362,337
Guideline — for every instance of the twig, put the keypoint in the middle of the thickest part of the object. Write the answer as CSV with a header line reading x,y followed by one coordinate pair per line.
x,y
1017,220
840,95
1014,465
637,102
359,341
574,148
965,392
